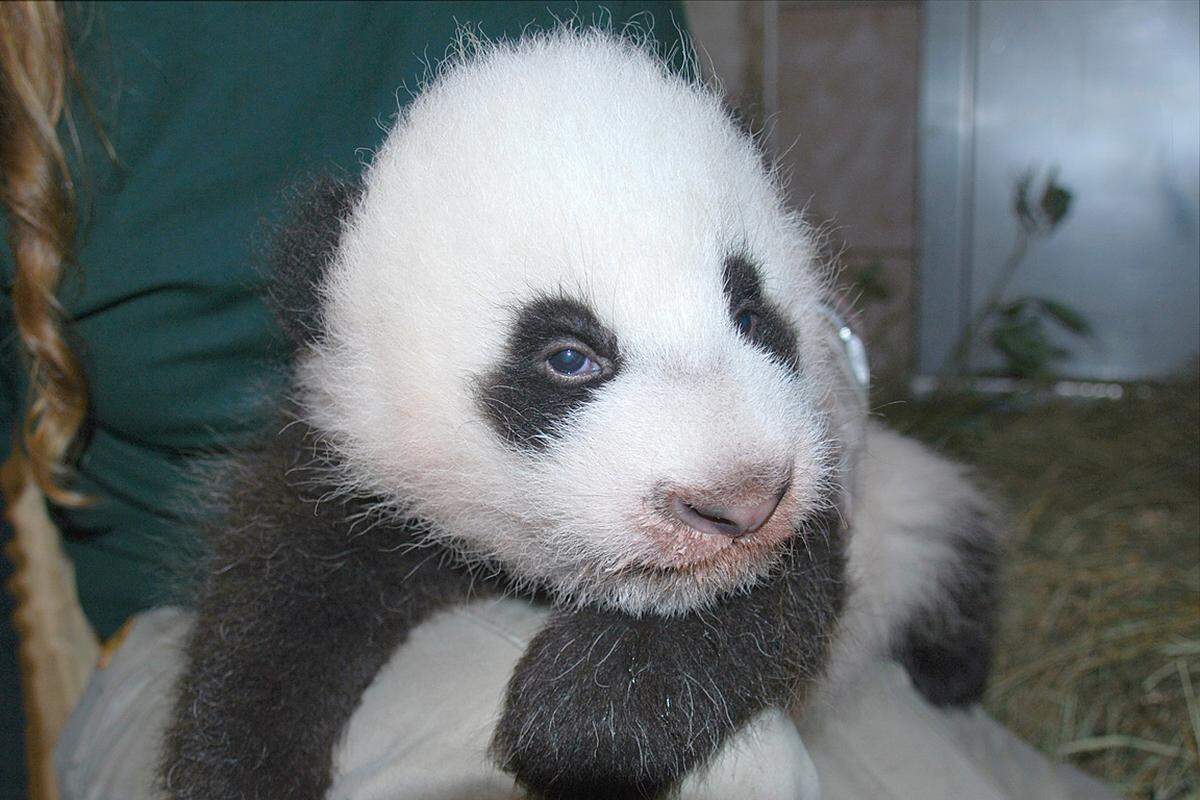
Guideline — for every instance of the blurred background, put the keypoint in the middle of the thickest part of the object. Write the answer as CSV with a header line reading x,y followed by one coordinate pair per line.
x,y
1010,192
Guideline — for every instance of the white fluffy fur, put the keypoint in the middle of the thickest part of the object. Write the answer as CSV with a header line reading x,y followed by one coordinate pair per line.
x,y
576,163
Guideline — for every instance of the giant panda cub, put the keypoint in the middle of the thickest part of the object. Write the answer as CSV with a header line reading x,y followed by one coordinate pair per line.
x,y
567,342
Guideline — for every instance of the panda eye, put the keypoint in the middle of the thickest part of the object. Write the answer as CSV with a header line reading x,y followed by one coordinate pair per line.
x,y
570,362
746,322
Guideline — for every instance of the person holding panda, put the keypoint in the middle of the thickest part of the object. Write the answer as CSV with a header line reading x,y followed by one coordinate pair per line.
x,y
456,695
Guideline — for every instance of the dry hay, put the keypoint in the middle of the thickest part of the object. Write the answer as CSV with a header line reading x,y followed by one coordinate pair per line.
x,y
1099,657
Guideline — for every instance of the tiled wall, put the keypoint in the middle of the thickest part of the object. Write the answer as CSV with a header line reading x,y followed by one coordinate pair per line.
x,y
845,125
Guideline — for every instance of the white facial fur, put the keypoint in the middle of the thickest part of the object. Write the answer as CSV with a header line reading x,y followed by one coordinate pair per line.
x,y
575,164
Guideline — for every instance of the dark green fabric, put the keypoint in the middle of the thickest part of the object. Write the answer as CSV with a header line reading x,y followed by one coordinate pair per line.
x,y
213,111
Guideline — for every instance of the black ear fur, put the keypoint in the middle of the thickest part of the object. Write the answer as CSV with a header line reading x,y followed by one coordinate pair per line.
x,y
303,249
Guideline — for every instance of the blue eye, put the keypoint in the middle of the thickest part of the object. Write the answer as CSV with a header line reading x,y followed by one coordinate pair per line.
x,y
746,323
572,363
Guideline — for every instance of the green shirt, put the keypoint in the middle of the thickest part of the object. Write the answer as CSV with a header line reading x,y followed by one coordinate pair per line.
x,y
213,111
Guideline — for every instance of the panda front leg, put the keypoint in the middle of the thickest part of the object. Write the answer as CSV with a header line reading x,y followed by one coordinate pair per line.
x,y
305,597
258,721
604,705
269,683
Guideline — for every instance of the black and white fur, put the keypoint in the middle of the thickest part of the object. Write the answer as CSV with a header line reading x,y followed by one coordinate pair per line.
x,y
568,191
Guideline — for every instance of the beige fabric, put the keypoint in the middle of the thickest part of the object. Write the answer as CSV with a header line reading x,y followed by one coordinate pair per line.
x,y
421,732
880,739
58,648
424,724
400,741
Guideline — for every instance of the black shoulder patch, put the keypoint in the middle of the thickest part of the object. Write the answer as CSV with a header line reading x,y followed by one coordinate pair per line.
x,y
303,248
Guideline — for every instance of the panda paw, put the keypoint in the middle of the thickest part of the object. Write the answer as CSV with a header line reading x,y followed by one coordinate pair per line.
x,y
596,710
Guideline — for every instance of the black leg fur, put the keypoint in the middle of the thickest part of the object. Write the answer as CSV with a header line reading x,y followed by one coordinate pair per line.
x,y
606,706
300,610
947,647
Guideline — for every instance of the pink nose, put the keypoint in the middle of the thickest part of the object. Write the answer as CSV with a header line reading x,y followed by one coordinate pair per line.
x,y
732,520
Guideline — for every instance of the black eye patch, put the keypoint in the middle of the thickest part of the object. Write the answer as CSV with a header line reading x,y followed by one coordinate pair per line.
x,y
521,398
770,330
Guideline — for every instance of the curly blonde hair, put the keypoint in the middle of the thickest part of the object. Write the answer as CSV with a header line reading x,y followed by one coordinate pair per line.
x,y
35,70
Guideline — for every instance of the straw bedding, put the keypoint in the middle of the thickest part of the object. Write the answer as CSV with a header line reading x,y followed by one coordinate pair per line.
x,y
1099,659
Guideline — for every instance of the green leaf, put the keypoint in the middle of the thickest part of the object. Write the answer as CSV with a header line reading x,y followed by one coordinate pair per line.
x,y
1021,205
1065,316
1014,308
1056,201
1026,350
1051,207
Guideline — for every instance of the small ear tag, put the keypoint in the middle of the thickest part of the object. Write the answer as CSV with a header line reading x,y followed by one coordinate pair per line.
x,y
857,372
853,351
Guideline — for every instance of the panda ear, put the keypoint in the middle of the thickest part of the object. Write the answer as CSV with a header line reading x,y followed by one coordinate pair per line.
x,y
303,248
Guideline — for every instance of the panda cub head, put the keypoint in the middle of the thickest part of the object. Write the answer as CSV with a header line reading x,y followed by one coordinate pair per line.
x,y
572,327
